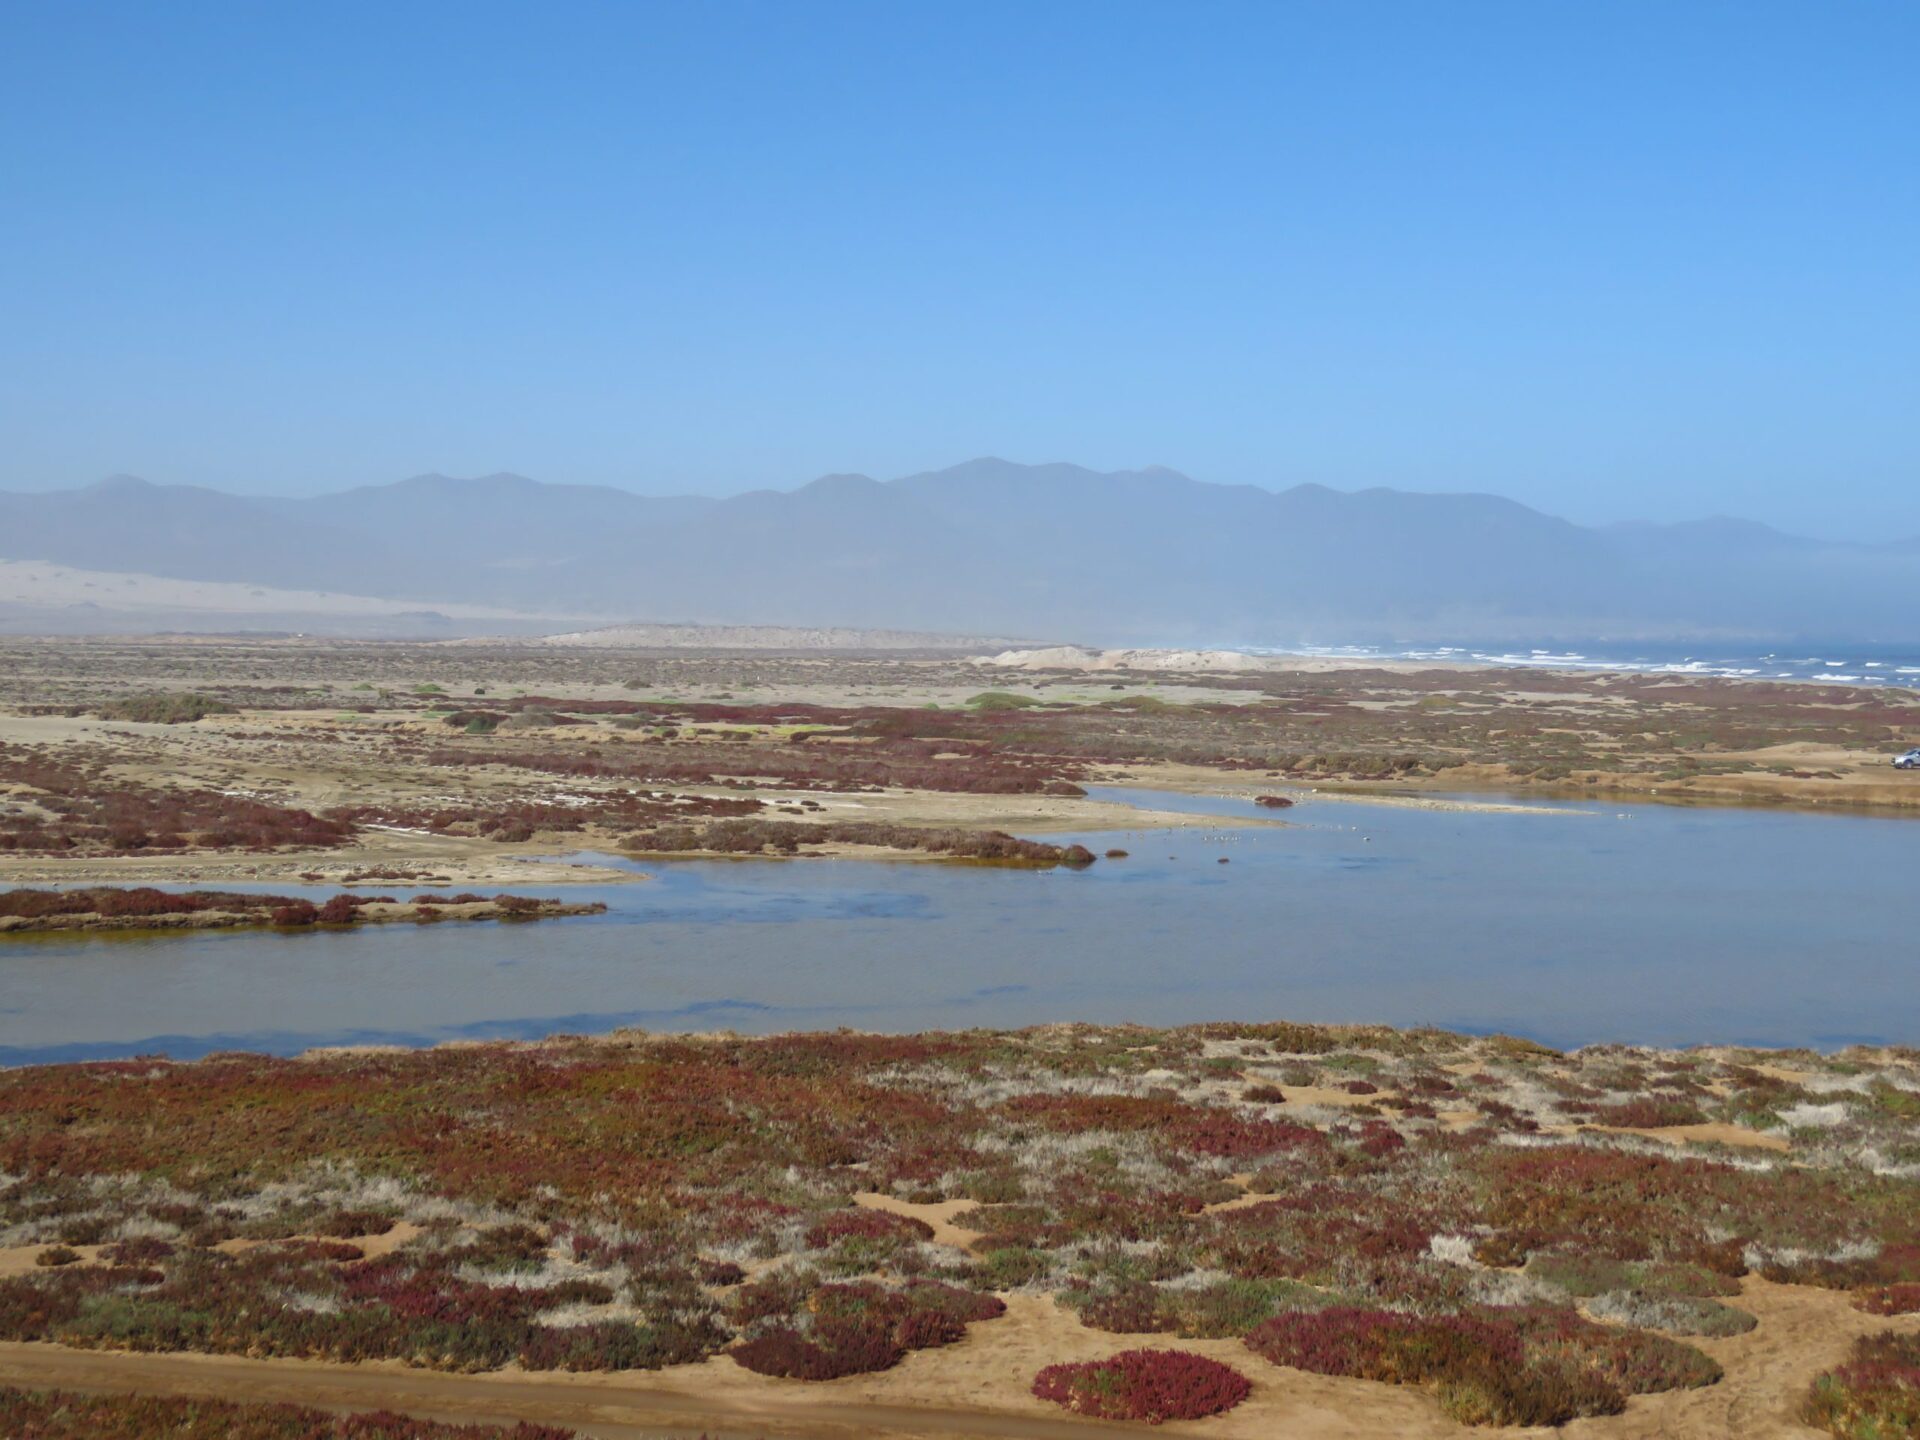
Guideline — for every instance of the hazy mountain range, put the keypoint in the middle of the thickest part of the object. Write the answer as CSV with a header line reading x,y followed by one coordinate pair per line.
x,y
1135,557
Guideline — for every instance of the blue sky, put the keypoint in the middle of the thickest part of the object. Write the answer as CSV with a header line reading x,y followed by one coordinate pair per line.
x,y
1616,260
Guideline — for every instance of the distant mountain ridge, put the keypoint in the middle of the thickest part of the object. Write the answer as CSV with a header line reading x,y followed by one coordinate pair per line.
x,y
1145,556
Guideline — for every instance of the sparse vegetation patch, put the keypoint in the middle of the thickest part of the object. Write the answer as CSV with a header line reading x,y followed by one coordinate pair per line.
x,y
648,1200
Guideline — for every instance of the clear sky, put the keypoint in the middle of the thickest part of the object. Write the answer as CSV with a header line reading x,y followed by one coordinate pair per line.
x,y
1613,259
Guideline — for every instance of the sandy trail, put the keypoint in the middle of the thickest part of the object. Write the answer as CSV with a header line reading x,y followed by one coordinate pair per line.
x,y
978,1387
937,1215
1706,1133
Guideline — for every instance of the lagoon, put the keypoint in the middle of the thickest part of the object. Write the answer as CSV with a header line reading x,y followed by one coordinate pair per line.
x,y
1569,924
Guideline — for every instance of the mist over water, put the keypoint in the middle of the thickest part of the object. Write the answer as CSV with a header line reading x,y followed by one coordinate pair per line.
x,y
1835,663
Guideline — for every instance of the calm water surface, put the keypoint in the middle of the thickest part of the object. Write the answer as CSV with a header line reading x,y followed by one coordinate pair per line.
x,y
1570,924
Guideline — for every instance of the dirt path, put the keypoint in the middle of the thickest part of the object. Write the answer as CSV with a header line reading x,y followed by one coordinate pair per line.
x,y
1802,1331
585,1403
978,1387
938,1216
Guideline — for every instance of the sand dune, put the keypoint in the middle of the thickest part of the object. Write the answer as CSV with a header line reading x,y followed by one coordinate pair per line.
x,y
41,598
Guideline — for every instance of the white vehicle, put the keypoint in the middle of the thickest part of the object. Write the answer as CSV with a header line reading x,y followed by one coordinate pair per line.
x,y
1908,761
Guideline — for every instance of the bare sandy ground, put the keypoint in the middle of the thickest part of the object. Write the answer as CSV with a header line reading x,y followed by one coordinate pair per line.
x,y
1197,662
765,637
1862,779
938,1216
979,1387
273,756
1235,785
1711,1133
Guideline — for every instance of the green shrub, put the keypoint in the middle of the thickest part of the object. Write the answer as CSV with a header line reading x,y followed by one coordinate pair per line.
x,y
1012,1266
1548,1392
992,700
1874,1395
1230,1308
164,708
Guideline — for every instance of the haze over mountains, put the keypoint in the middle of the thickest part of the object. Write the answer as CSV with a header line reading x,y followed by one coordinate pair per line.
x,y
1135,557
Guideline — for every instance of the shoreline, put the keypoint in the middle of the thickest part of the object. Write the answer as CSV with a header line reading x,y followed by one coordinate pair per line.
x,y
429,862
620,743
1895,798
435,861
1789,1064
93,922
1226,659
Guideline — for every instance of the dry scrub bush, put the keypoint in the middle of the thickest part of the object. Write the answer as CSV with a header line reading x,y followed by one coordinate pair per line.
x,y
837,1330
95,812
1875,1395
656,1168
164,708
1511,1366
1888,1299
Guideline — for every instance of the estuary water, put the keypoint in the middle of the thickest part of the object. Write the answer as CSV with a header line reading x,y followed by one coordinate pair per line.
x,y
1568,924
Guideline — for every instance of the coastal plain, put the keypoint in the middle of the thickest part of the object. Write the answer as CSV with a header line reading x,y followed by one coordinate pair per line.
x,y
192,760
1323,1231
1383,1231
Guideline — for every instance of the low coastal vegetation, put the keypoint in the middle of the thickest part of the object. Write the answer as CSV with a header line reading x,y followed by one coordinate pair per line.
x,y
1510,1235
778,837
294,748
1532,728
112,908
1151,1385
1506,1365
511,821
839,751
1548,731
1875,1395
827,1331
1413,1208
54,1415
169,707
74,804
